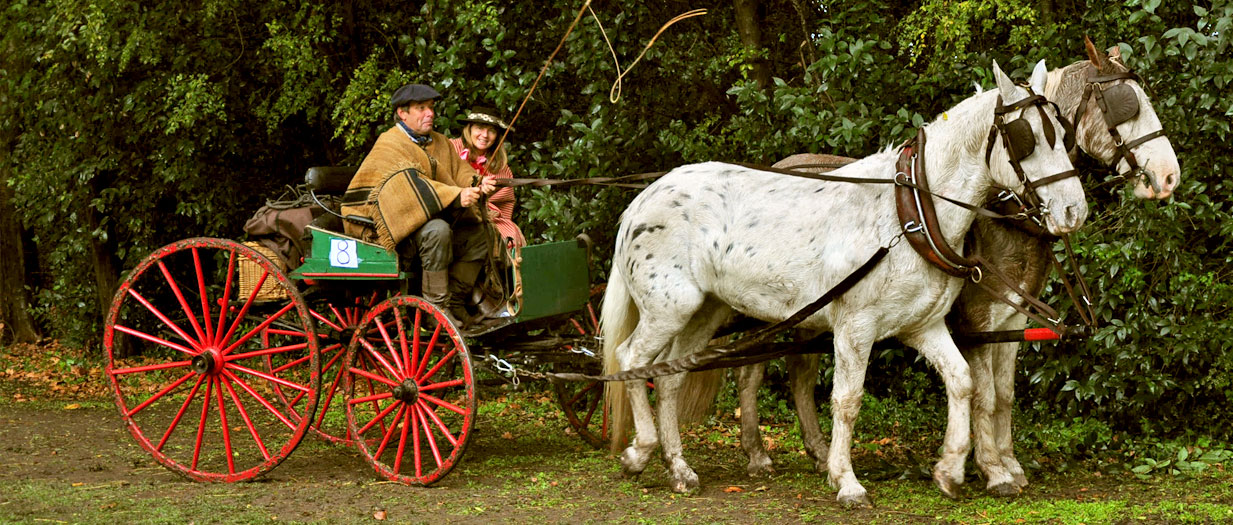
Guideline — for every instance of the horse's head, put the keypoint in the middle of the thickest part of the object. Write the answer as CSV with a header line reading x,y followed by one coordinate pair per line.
x,y
1029,156
1117,125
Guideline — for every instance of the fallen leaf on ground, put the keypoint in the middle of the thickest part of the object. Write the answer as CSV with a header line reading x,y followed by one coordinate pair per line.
x,y
379,515
734,488
72,406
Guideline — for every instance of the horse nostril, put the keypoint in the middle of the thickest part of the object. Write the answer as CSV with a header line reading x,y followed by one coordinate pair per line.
x,y
1170,181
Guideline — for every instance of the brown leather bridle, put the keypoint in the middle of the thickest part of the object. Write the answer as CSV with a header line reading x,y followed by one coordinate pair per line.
x,y
1116,113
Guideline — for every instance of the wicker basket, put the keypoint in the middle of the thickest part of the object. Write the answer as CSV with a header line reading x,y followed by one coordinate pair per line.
x,y
250,273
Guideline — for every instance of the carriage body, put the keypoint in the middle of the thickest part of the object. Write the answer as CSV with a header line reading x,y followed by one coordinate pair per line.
x,y
240,358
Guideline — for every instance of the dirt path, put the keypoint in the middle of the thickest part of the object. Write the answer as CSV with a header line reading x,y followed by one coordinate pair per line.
x,y
80,465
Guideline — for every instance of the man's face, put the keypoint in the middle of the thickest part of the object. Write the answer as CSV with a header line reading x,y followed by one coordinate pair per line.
x,y
418,116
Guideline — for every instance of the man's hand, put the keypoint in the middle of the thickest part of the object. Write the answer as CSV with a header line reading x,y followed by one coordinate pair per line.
x,y
468,196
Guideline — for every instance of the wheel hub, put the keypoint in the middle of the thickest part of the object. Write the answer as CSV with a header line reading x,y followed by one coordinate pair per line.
x,y
408,392
205,362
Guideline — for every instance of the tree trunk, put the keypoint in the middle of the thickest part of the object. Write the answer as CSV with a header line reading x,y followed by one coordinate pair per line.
x,y
749,25
103,258
14,301
1047,12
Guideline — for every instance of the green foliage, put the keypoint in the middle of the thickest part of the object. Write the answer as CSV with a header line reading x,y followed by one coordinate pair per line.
x,y
128,125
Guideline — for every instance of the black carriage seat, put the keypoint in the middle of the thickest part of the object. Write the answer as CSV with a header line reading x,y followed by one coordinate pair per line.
x,y
331,181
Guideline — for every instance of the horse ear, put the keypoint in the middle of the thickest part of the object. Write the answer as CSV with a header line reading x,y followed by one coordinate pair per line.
x,y
1115,53
1040,74
1095,57
1005,85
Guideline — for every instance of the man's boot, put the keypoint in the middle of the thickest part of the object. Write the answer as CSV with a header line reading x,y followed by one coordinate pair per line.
x,y
436,290
464,275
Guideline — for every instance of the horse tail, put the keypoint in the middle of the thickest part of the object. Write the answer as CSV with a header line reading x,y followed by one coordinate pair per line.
x,y
698,393
617,319
702,389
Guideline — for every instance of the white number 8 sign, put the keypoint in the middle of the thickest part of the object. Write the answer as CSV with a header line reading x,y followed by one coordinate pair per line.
x,y
342,254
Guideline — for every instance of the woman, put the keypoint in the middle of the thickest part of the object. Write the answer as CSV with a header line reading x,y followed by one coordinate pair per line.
x,y
479,136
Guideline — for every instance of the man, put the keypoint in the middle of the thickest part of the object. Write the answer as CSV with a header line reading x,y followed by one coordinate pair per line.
x,y
420,199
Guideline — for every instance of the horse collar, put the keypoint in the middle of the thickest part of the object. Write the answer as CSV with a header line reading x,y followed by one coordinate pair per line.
x,y
917,215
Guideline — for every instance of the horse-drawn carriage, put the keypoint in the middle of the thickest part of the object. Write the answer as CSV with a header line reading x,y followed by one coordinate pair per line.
x,y
394,377
240,358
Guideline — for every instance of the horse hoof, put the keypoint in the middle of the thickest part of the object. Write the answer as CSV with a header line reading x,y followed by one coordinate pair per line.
x,y
1020,480
1004,490
630,465
760,467
948,487
685,484
855,501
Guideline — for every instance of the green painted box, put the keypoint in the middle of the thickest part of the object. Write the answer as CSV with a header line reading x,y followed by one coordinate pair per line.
x,y
555,279
337,256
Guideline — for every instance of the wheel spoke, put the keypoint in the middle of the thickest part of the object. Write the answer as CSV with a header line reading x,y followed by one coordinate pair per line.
x,y
375,354
265,403
444,384
428,352
273,351
432,441
324,320
248,422
254,331
183,407
443,404
402,407
201,425
380,418
415,340
333,389
389,345
445,431
225,300
402,342
158,395
408,422
155,339
150,368
222,418
170,324
205,296
438,366
188,311
270,378
373,376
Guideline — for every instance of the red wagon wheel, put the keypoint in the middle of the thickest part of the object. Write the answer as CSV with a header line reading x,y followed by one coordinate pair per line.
x,y
196,359
582,402
411,393
336,322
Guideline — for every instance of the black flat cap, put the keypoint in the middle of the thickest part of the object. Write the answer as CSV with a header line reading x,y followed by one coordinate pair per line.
x,y
413,93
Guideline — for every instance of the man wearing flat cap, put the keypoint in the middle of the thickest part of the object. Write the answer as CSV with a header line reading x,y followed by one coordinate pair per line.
x,y
422,200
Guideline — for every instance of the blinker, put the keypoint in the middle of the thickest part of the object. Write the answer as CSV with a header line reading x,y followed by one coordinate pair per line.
x,y
1121,103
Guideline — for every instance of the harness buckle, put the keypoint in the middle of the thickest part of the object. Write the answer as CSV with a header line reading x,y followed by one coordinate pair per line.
x,y
913,227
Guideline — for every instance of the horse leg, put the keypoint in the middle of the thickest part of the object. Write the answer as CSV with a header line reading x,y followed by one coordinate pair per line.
x,y
851,360
692,338
802,375
999,480
749,380
1004,359
644,344
935,343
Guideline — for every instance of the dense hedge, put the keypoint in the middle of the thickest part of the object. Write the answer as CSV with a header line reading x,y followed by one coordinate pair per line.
x,y
129,125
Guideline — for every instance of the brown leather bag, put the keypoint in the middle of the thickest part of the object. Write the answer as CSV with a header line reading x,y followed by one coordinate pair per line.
x,y
281,229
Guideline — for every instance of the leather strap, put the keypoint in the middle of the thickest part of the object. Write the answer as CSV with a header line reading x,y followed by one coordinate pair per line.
x,y
917,215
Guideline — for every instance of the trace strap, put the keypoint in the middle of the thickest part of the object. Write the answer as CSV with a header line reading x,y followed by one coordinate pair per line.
x,y
745,349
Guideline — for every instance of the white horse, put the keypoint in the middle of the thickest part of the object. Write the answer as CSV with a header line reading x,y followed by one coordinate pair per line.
x,y
710,239
1023,257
